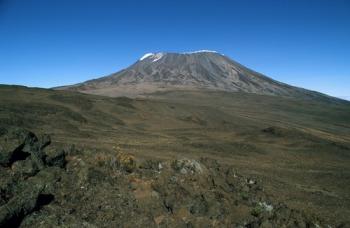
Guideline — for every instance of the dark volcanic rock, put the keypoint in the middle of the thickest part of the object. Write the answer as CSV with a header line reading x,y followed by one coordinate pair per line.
x,y
26,183
32,194
55,157
14,145
25,168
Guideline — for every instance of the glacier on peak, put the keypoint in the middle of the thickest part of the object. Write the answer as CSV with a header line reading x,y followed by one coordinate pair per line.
x,y
154,56
200,51
146,56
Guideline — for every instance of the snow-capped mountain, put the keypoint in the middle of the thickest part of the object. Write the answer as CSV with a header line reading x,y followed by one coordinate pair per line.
x,y
198,70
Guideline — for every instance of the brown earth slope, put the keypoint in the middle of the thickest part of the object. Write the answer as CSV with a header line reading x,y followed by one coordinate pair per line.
x,y
298,148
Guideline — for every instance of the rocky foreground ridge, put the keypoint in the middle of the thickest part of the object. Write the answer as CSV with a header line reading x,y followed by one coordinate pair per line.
x,y
42,186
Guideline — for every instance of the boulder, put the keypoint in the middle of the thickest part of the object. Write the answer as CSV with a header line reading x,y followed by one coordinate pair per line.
x,y
6,155
55,157
33,193
25,168
12,143
44,141
29,181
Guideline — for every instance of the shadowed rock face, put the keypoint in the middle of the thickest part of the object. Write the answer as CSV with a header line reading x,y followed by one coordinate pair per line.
x,y
28,175
189,71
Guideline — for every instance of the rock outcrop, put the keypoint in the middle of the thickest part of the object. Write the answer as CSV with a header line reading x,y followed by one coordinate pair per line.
x,y
28,174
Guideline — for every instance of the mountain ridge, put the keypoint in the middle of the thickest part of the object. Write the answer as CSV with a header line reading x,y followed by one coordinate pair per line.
x,y
197,70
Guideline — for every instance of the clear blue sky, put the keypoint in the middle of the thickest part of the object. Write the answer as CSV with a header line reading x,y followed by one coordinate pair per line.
x,y
47,43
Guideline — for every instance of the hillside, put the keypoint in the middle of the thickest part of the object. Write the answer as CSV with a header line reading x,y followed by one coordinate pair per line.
x,y
299,149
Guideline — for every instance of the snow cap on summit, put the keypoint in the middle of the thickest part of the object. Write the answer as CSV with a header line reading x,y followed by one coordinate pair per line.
x,y
159,55
146,56
155,56
200,51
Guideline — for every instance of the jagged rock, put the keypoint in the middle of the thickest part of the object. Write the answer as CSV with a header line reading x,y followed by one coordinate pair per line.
x,y
25,168
30,142
29,182
18,144
6,154
7,182
32,194
12,144
55,157
44,141
34,147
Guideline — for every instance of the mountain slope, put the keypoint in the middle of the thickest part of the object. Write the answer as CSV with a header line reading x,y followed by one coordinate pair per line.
x,y
300,149
202,70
